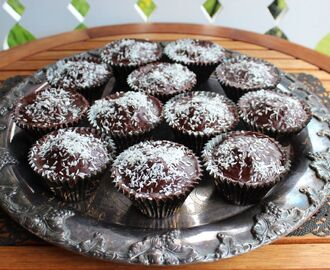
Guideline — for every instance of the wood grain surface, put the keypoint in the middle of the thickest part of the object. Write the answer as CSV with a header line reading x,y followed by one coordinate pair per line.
x,y
306,252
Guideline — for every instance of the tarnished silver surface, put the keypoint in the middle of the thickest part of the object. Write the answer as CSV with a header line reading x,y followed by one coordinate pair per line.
x,y
206,229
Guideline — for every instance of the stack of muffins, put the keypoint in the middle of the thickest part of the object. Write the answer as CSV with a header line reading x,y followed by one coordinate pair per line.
x,y
236,135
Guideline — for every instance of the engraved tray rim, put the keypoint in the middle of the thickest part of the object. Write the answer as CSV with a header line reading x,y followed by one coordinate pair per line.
x,y
274,219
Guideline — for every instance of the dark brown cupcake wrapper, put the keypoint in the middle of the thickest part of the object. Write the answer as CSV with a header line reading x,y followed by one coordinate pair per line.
x,y
160,207
202,70
79,188
194,142
273,132
82,190
241,193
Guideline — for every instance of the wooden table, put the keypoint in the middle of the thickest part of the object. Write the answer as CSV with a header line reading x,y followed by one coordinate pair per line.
x,y
307,252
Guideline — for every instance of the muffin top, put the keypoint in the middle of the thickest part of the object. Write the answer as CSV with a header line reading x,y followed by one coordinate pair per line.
x,y
270,109
78,74
201,113
125,112
131,52
162,79
245,156
156,169
50,107
71,154
248,73
193,51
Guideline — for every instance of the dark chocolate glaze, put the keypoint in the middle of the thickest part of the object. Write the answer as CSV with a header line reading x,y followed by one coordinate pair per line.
x,y
160,168
131,52
49,107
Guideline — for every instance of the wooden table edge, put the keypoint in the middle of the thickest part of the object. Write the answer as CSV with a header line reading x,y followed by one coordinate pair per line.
x,y
271,42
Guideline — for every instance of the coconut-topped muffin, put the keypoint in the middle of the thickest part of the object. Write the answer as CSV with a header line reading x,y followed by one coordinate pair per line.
x,y
274,113
200,56
131,52
126,115
162,80
49,108
243,74
245,164
200,115
86,75
156,175
70,159
194,51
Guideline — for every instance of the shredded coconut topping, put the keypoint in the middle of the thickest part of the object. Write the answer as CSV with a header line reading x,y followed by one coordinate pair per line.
x,y
51,106
74,74
131,52
245,157
194,51
162,78
161,167
70,154
125,112
273,110
201,112
246,73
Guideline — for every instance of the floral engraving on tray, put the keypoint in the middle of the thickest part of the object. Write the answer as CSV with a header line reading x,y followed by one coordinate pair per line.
x,y
321,164
275,221
162,249
229,246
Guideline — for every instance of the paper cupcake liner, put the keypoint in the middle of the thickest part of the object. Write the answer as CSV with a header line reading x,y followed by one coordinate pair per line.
x,y
195,142
155,207
74,190
124,141
81,191
94,93
273,132
241,193
202,70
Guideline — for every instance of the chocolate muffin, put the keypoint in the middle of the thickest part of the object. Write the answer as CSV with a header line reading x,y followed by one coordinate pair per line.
x,y
157,176
125,55
86,75
47,109
163,80
200,56
127,117
245,165
276,114
195,117
72,161
243,74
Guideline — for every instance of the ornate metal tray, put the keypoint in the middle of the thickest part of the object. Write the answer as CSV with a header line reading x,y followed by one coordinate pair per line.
x,y
206,229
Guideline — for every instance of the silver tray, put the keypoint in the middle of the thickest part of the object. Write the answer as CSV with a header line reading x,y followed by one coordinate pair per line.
x,y
206,229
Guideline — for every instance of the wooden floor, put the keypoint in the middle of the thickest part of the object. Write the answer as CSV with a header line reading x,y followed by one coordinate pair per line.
x,y
307,252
